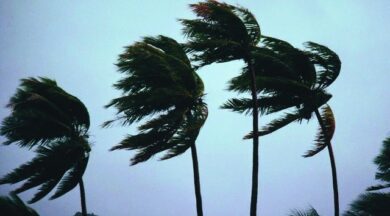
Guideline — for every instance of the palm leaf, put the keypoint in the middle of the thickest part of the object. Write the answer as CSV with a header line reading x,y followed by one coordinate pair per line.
x,y
378,187
221,33
370,204
328,62
308,212
266,104
14,206
277,124
189,131
47,168
72,178
383,163
297,60
41,112
323,137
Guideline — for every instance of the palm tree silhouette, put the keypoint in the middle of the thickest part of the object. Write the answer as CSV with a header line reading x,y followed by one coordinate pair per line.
x,y
370,204
46,116
160,85
303,77
223,33
375,203
383,163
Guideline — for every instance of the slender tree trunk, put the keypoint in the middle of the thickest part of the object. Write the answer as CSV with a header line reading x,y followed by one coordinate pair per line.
x,y
198,195
333,165
255,166
82,198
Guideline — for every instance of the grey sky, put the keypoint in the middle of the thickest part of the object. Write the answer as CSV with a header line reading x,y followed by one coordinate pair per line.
x,y
77,43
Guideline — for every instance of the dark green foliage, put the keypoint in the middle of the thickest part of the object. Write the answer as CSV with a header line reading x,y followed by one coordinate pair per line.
x,y
63,157
160,86
383,163
308,212
288,78
377,204
327,62
221,33
14,206
45,115
41,112
368,204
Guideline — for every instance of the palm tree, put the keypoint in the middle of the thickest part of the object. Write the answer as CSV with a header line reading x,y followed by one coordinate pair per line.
x,y
370,204
223,33
160,85
303,77
44,115
383,163
375,203
14,206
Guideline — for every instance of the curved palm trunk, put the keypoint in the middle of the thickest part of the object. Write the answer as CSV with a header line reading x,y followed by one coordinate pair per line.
x,y
255,166
195,166
333,165
82,198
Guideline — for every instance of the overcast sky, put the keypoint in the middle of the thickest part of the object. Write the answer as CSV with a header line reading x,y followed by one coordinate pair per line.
x,y
77,44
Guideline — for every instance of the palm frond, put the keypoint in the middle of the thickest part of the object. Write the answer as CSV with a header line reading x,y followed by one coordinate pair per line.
x,y
378,187
323,137
383,161
297,60
71,179
308,212
221,33
169,46
187,134
277,124
328,62
14,206
52,161
370,204
41,112
251,25
266,104
160,85
267,84
45,188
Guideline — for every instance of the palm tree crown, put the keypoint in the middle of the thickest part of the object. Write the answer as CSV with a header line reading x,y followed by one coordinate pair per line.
x,y
221,33
288,78
161,84
43,114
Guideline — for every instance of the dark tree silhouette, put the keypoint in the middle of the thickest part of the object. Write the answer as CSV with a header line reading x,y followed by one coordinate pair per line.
x,y
160,85
378,203
222,33
383,163
44,115
370,204
295,79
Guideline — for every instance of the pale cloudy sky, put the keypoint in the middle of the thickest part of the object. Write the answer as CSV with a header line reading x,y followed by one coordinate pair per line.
x,y
77,43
